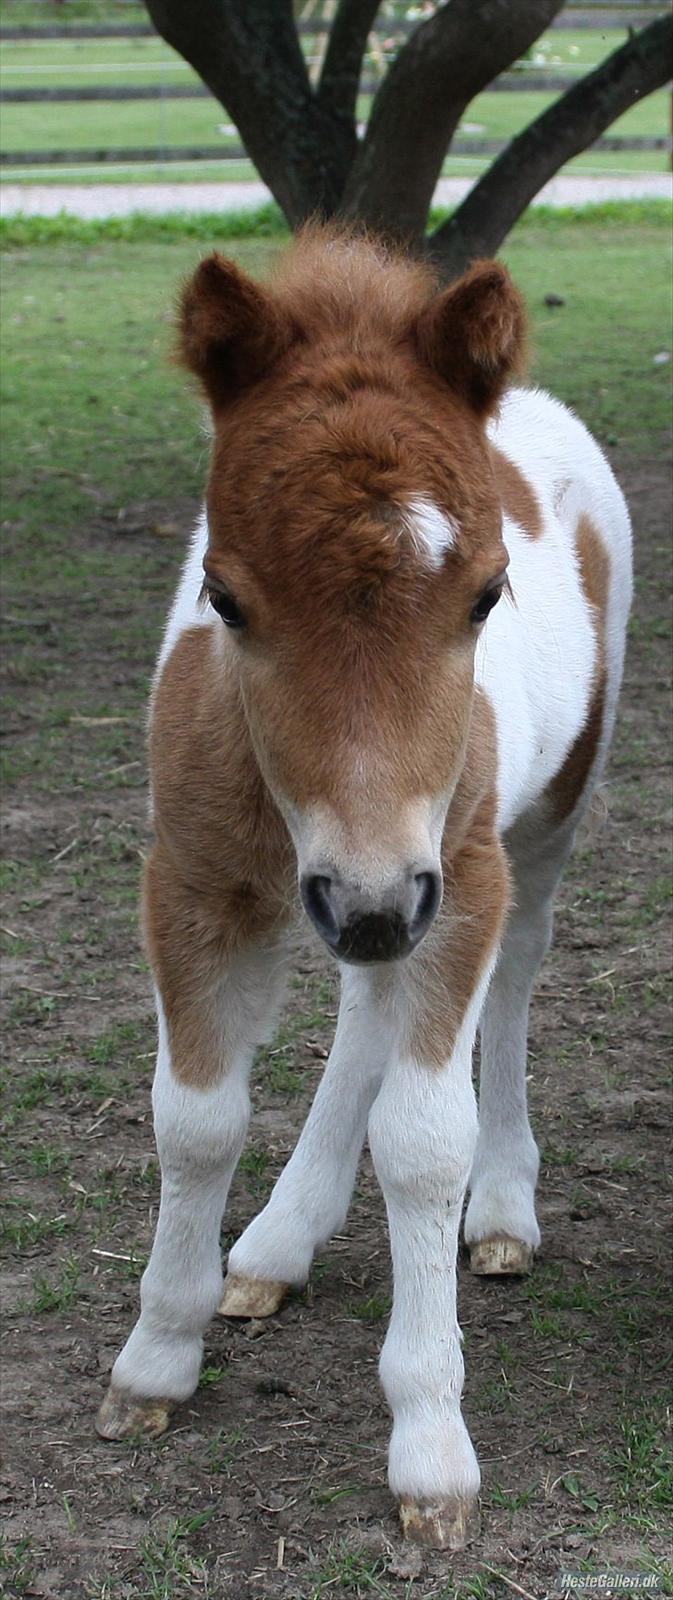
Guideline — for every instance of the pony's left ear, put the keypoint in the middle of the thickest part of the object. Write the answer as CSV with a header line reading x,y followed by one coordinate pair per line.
x,y
474,334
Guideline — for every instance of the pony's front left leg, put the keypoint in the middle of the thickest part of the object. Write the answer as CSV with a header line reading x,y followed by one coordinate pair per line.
x,y
422,1137
217,999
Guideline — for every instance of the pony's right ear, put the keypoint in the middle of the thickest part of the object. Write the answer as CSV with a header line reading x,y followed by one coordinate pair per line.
x,y
231,330
473,334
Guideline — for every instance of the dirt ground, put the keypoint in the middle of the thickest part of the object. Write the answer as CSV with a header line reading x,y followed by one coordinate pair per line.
x,y
271,1483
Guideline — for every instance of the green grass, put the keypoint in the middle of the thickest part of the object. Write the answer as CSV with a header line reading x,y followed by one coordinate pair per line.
x,y
590,164
267,222
16,1567
348,1572
32,12
642,1464
223,1448
158,125
119,1045
64,63
83,174
161,124
21,1230
168,1566
501,116
253,1165
100,124
58,1292
374,1309
262,222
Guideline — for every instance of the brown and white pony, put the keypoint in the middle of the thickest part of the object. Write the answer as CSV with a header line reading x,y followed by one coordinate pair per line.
x,y
385,693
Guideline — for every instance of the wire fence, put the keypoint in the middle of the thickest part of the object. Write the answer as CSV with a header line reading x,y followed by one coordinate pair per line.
x,y
538,73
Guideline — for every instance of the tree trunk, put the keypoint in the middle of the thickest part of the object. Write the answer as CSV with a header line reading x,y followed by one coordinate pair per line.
x,y
485,217
249,56
340,76
446,62
304,142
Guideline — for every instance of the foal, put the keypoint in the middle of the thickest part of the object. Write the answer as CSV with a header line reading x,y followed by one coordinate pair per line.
x,y
388,699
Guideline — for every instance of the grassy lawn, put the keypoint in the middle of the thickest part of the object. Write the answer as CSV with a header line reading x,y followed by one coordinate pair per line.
x,y
272,1481
63,62
593,164
100,124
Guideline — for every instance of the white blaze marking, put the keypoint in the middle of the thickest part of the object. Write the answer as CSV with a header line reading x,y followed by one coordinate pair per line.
x,y
432,532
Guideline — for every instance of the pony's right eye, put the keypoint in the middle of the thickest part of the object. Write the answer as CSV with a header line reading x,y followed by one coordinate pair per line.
x,y
489,598
485,603
226,607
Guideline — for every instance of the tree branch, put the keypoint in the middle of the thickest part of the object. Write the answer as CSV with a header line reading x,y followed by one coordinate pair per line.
x,y
579,116
446,62
248,54
340,76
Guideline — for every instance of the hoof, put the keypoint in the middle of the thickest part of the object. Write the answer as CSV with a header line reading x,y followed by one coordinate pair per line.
x,y
444,1525
501,1255
251,1297
121,1415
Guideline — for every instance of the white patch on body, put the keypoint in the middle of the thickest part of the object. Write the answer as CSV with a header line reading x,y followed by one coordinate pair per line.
x,y
536,659
187,611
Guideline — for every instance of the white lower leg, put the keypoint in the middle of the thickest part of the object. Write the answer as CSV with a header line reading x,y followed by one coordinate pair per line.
x,y
422,1133
501,1210
310,1200
200,1135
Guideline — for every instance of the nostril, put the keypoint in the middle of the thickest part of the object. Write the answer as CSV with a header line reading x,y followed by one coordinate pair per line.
x,y
316,897
429,893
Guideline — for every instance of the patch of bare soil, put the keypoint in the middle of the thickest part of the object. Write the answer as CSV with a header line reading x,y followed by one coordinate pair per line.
x,y
271,1483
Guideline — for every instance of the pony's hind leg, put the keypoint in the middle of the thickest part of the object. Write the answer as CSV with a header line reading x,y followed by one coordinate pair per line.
x,y
311,1198
215,1003
501,1228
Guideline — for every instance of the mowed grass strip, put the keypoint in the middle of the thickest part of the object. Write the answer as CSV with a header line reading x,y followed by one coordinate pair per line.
x,y
160,124
65,125
59,63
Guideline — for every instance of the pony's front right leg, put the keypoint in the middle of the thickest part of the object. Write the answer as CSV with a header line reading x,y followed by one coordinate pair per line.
x,y
311,1198
214,1006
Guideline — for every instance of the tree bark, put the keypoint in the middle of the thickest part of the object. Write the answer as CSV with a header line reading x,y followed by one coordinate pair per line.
x,y
249,55
304,142
340,76
478,227
446,62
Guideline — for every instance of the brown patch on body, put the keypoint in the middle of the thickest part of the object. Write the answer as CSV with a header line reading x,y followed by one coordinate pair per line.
x,y
567,787
219,881
476,896
519,500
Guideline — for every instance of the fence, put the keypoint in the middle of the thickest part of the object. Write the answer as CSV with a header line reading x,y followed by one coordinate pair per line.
x,y
618,14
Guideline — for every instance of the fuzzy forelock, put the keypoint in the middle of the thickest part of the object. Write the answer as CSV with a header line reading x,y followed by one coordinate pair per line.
x,y
330,274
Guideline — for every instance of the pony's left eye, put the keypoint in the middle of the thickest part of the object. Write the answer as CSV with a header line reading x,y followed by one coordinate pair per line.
x,y
226,607
485,603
